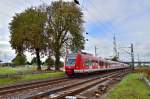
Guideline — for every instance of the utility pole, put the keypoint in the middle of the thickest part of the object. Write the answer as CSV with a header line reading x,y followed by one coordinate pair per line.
x,y
138,60
95,48
132,56
115,47
118,55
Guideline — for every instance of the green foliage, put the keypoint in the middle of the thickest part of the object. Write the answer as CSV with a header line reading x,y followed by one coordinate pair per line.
x,y
33,61
61,64
130,88
27,32
49,61
48,27
20,59
29,63
65,26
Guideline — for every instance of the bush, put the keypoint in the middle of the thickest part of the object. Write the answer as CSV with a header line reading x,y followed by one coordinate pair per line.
x,y
143,70
33,61
20,59
49,62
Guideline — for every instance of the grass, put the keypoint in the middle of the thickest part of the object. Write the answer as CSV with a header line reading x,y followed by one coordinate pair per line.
x,y
7,71
10,70
5,81
130,88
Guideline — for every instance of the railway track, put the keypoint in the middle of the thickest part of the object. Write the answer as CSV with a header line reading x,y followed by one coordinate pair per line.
x,y
20,87
75,88
46,88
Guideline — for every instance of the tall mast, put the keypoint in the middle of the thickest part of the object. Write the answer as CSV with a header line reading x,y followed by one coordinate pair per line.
x,y
115,46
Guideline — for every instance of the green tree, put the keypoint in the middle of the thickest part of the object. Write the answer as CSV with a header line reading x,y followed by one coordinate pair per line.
x,y
20,59
49,62
33,61
27,32
16,37
61,64
65,26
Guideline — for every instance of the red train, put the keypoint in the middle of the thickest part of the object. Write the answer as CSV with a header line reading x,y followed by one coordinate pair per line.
x,y
86,63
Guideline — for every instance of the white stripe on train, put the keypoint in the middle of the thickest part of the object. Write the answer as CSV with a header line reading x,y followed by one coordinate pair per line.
x,y
94,70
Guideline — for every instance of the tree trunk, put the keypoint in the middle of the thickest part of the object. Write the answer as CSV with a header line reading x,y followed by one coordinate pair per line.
x,y
49,56
49,66
57,60
38,59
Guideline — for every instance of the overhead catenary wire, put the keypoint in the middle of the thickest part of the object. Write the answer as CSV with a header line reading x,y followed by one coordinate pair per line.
x,y
101,14
92,15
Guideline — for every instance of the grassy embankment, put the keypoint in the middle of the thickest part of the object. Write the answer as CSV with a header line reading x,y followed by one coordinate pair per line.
x,y
131,87
5,81
22,69
28,77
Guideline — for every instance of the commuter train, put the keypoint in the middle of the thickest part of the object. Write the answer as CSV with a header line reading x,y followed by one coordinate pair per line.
x,y
81,62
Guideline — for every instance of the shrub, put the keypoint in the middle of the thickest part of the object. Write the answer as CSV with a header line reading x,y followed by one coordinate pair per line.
x,y
20,59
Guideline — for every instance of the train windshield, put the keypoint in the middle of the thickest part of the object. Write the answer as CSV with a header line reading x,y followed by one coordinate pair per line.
x,y
70,62
71,59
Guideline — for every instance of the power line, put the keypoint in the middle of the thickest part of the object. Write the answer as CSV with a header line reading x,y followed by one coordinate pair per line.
x,y
99,22
99,10
93,16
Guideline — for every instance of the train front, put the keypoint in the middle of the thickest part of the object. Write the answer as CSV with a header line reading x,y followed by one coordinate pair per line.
x,y
70,64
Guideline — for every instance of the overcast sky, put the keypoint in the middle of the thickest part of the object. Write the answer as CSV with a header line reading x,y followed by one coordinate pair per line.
x,y
128,19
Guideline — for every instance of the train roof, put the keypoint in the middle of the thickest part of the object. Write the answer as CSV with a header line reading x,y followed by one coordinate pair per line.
x,y
71,55
86,53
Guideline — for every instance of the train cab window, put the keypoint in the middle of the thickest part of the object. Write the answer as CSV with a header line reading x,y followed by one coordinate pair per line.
x,y
70,62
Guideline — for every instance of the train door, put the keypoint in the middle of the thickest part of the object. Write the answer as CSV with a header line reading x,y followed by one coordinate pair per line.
x,y
101,63
95,64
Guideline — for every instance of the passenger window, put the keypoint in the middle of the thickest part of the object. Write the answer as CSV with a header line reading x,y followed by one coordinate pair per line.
x,y
88,63
101,63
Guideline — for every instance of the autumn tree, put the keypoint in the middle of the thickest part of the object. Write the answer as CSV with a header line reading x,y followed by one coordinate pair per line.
x,y
27,32
65,27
